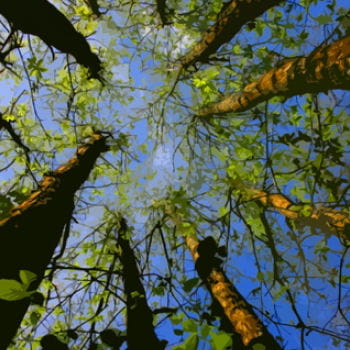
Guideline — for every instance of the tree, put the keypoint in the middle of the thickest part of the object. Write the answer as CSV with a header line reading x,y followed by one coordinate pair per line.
x,y
33,230
227,127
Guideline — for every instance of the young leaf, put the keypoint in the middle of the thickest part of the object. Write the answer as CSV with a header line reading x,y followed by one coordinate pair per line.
x,y
220,341
12,290
27,277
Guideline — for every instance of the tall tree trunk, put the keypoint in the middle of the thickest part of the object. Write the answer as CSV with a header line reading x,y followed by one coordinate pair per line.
x,y
230,20
324,69
237,310
139,324
30,234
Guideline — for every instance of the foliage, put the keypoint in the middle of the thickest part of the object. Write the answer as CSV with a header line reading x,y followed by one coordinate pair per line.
x,y
166,163
12,290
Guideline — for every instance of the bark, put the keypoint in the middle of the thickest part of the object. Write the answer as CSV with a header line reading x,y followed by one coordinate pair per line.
x,y
326,68
230,20
41,18
330,221
33,229
237,310
139,325
164,12
237,313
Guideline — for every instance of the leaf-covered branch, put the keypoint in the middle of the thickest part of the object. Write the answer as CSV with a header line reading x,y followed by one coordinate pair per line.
x,y
324,69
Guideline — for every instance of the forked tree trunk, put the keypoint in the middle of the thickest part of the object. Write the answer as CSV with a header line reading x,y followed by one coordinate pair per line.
x,y
33,229
139,323
324,69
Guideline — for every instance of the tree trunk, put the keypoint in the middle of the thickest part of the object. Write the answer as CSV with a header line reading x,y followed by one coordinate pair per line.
x,y
230,20
30,234
237,310
139,324
41,18
324,69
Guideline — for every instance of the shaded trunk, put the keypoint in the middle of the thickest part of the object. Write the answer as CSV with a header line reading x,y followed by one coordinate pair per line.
x,y
139,324
324,69
230,20
33,229
41,18
236,309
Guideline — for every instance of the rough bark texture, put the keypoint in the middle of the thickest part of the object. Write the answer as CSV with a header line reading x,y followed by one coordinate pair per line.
x,y
328,67
238,311
139,324
230,20
33,229
327,220
41,18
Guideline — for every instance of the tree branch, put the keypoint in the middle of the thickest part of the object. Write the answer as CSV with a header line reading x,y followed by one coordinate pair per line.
x,y
324,69
230,20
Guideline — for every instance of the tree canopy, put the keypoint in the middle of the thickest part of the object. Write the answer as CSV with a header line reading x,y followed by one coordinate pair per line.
x,y
175,174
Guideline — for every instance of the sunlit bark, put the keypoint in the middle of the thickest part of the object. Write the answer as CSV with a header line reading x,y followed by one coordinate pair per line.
x,y
232,17
327,220
326,68
238,311
33,229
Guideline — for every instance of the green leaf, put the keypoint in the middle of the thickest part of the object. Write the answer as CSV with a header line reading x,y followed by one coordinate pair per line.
x,y
9,117
243,153
191,342
34,318
220,340
190,284
27,277
190,326
323,19
260,276
223,211
259,346
12,290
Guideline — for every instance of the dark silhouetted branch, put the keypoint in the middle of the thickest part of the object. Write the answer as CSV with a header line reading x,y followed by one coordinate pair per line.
x,y
41,18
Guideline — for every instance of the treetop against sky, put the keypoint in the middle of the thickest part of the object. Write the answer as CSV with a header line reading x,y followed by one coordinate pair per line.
x,y
219,210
